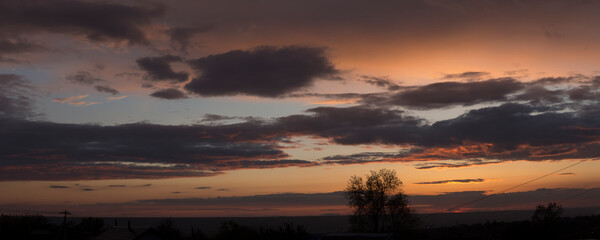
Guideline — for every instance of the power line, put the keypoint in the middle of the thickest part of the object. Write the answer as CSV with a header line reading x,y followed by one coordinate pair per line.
x,y
577,195
511,188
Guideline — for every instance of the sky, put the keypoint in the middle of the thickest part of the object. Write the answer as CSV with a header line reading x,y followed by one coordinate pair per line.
x,y
189,108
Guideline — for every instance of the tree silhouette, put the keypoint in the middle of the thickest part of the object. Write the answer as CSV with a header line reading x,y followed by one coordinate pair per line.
x,y
378,203
547,221
547,214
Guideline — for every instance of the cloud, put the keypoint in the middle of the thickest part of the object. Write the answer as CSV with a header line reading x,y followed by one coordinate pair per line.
x,y
84,77
456,163
169,94
17,45
106,89
202,188
265,71
567,173
381,82
159,69
445,94
75,100
96,20
88,189
336,200
478,180
272,200
216,118
507,201
58,186
55,151
467,75
574,90
115,98
540,95
117,186
365,157
509,132
353,125
181,36
15,97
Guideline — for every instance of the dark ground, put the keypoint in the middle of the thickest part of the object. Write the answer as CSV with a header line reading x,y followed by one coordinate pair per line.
x,y
478,225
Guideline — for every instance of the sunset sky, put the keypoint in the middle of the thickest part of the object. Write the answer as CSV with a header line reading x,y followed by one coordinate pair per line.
x,y
267,107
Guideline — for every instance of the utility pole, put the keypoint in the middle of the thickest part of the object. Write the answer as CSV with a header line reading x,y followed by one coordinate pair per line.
x,y
64,228
65,218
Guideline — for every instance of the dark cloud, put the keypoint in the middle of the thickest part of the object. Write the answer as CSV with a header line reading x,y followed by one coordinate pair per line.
x,y
508,132
455,164
169,94
216,118
453,181
176,192
96,20
505,201
567,173
223,189
58,186
553,80
88,189
445,94
483,136
265,71
202,188
53,151
8,60
583,93
510,125
17,45
365,157
272,200
422,203
118,186
381,82
354,125
106,89
541,95
84,77
467,75
15,97
159,68
181,35
574,89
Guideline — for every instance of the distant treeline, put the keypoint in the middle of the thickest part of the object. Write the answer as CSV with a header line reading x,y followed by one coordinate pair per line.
x,y
38,227
583,227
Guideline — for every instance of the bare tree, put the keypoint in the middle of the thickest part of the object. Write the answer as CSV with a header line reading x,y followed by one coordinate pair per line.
x,y
379,204
545,214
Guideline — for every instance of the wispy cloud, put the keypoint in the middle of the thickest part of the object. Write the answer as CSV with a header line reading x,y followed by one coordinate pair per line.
x,y
478,180
115,98
75,100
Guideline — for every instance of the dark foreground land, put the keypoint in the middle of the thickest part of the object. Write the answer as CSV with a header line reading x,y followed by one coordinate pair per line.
x,y
488,225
